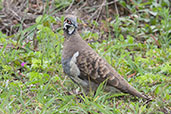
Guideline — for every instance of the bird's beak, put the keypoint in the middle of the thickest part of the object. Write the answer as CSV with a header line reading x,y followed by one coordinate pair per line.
x,y
66,25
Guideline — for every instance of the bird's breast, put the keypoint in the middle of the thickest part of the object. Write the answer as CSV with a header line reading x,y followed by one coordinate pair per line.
x,y
69,65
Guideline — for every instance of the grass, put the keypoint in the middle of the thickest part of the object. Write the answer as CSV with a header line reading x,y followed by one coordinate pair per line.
x,y
139,49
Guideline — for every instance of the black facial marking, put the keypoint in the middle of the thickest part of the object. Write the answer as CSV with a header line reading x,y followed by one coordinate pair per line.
x,y
67,26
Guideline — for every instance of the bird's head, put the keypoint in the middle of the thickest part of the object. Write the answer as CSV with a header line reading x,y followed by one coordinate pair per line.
x,y
70,24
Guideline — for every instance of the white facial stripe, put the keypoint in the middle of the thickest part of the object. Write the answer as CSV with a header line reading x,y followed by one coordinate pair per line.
x,y
65,25
71,29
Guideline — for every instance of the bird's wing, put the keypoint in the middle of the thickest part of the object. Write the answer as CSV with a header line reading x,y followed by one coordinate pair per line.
x,y
92,66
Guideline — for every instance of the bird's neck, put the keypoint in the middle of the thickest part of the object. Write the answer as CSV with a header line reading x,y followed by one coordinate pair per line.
x,y
67,35
70,36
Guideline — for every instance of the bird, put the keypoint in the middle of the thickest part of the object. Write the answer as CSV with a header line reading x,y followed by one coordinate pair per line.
x,y
85,67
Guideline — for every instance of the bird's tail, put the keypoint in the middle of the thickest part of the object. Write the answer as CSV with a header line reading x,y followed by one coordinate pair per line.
x,y
121,84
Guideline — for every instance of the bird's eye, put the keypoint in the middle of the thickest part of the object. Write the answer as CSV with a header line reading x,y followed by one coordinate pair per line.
x,y
68,21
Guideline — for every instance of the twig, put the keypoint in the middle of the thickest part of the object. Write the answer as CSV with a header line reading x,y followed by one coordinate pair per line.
x,y
157,43
98,10
70,6
35,42
15,14
96,6
116,8
82,5
131,75
154,83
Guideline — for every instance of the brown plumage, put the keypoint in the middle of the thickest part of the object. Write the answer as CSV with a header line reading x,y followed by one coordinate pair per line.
x,y
86,68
